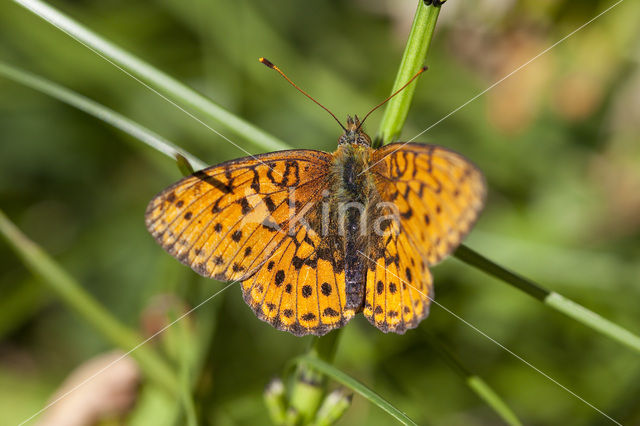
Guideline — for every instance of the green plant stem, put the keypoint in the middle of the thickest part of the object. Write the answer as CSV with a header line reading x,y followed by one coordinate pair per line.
x,y
309,386
474,258
356,386
415,53
325,347
87,307
177,93
593,320
475,382
99,111
549,298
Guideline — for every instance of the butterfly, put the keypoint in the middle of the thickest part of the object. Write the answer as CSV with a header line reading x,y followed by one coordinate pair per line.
x,y
316,237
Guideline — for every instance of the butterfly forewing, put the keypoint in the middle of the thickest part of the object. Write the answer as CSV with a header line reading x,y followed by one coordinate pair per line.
x,y
225,221
439,194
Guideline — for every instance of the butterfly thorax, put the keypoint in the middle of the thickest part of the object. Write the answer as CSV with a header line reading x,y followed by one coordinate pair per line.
x,y
351,182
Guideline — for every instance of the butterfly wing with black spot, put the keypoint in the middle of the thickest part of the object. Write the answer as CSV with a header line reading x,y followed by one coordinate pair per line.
x,y
438,196
223,221
247,220
302,288
399,286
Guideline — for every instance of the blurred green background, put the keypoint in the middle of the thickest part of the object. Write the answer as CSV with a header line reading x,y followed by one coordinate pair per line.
x,y
558,142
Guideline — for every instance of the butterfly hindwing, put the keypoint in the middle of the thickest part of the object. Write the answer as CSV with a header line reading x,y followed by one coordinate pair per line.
x,y
399,287
301,289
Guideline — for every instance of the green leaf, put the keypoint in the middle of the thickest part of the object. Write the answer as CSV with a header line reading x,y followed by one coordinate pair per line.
x,y
70,292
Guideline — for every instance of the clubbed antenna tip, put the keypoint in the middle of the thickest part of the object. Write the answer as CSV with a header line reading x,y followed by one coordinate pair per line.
x,y
267,62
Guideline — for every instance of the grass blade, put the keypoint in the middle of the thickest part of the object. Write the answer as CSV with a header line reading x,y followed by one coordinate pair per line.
x,y
549,298
593,320
475,383
99,111
86,306
395,114
493,400
356,386
166,86
474,258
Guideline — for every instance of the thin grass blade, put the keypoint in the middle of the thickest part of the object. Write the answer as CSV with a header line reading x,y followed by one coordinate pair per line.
x,y
177,93
71,293
549,298
357,387
99,111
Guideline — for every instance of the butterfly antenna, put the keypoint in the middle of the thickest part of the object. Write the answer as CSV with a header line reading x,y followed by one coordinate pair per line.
x,y
269,64
423,69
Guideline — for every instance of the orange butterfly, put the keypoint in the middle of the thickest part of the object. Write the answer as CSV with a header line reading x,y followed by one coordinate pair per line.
x,y
316,237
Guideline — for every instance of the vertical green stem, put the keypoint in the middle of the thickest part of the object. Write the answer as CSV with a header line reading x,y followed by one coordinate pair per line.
x,y
395,114
309,386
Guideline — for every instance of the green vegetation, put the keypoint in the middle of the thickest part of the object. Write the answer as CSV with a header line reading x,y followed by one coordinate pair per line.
x,y
555,141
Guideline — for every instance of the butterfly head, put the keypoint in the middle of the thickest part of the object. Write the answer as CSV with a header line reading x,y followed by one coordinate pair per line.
x,y
354,134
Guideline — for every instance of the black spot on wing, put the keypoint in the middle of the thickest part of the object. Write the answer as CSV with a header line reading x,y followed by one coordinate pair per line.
x,y
325,288
306,291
